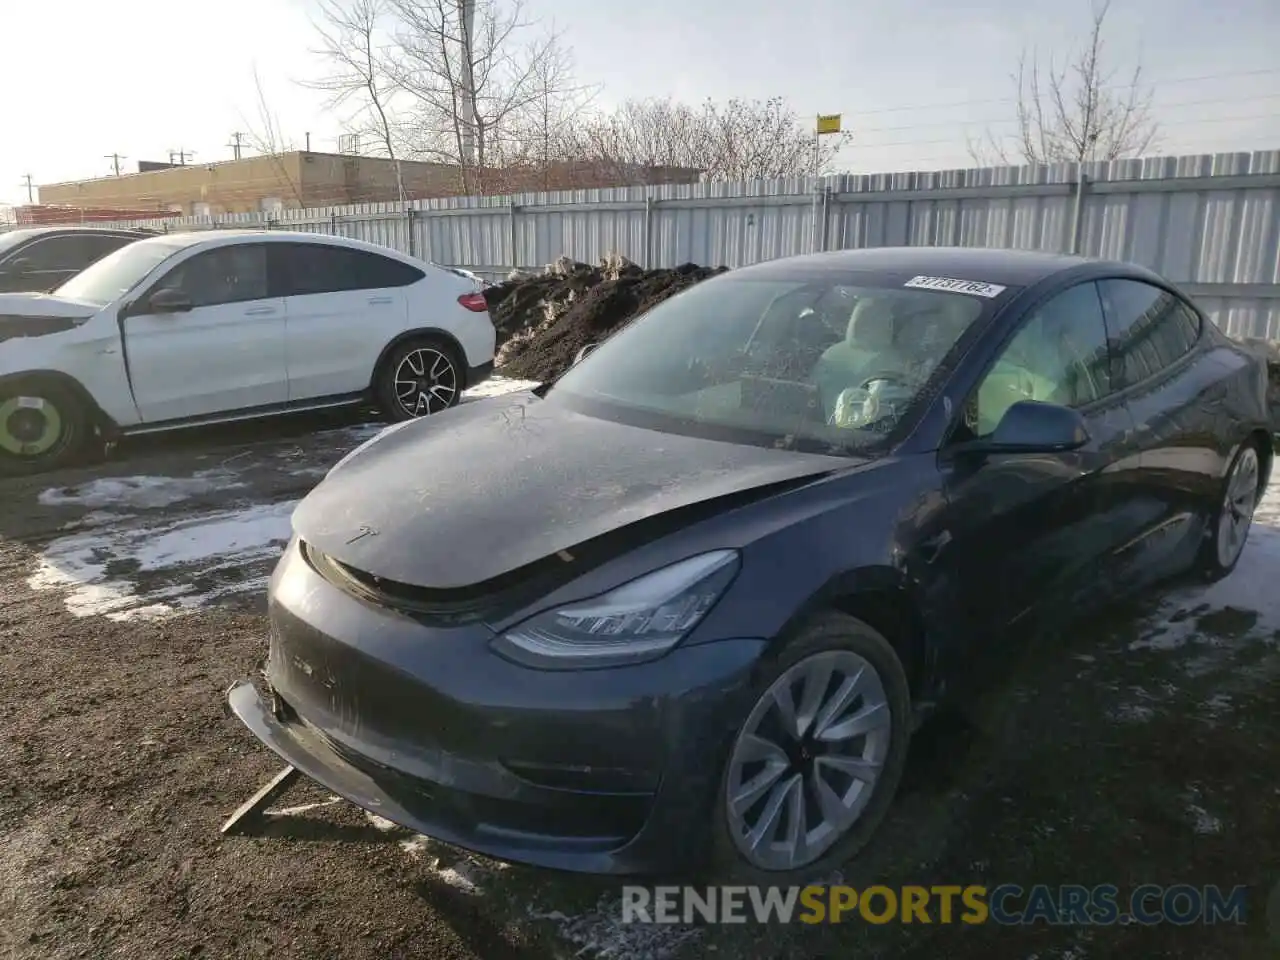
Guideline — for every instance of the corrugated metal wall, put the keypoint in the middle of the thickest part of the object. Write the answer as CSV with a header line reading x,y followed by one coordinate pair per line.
x,y
1211,223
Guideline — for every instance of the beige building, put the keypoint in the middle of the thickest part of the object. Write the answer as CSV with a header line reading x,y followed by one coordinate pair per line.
x,y
302,179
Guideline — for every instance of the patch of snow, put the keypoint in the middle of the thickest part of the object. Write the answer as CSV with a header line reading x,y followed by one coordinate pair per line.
x,y
139,492
205,543
496,387
382,823
1202,821
1218,704
600,933
302,808
1250,587
1132,713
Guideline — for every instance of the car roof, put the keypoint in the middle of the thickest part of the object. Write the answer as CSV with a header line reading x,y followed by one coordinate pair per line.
x,y
1015,268
217,238
50,229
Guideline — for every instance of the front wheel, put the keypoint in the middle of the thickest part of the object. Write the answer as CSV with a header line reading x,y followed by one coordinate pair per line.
x,y
1232,518
818,759
419,378
42,427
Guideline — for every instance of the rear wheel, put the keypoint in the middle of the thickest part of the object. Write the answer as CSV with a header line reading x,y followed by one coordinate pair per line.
x,y
1230,524
42,426
419,378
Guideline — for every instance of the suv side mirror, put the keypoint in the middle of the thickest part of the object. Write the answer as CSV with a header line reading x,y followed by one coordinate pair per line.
x,y
584,352
1031,426
167,300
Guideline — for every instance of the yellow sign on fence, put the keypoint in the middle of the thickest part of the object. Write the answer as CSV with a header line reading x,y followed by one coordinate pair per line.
x,y
828,123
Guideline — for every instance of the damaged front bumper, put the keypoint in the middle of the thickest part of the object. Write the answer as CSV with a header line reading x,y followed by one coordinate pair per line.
x,y
607,771
516,820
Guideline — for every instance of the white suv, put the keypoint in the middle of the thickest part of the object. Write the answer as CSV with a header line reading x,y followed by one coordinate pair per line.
x,y
199,328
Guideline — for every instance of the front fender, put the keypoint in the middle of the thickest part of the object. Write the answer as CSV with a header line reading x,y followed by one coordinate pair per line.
x,y
88,356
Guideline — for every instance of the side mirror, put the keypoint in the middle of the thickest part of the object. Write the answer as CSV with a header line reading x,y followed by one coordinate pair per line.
x,y
168,300
1030,426
584,352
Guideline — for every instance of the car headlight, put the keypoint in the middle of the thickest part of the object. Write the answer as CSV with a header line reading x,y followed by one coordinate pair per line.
x,y
380,435
640,620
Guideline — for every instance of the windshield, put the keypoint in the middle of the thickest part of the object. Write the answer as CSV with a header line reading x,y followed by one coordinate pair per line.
x,y
828,365
117,273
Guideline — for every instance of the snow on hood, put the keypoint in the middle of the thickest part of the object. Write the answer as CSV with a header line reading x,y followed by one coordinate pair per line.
x,y
45,305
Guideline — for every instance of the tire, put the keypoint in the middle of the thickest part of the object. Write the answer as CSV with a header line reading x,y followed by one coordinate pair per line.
x,y
419,358
43,426
1232,517
846,645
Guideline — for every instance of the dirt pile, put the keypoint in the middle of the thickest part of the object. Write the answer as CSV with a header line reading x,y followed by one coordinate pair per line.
x,y
544,319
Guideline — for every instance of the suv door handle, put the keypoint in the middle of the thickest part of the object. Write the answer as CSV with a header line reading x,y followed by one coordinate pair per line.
x,y
260,311
379,300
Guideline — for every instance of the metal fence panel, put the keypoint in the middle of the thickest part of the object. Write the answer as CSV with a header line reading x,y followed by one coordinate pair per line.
x,y
1211,222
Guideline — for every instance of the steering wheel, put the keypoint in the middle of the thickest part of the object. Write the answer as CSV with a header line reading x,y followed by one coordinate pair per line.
x,y
871,407
889,376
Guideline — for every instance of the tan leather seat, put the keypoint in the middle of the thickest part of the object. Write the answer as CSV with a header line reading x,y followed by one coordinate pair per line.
x,y
869,347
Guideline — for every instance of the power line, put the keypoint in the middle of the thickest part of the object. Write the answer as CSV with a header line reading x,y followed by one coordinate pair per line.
x,y
1114,87
1006,119
1159,125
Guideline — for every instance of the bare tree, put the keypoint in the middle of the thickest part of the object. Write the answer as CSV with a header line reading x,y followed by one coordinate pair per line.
x,y
1076,111
542,137
353,42
473,74
738,140
265,138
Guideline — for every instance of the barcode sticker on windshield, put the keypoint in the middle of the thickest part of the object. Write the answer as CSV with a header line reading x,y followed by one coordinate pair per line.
x,y
975,287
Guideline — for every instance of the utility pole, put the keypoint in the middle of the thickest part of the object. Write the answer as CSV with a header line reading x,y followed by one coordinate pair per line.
x,y
308,136
115,159
26,182
237,140
467,9
182,155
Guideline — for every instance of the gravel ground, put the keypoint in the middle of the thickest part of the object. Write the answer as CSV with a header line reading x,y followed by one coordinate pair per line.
x,y
1142,748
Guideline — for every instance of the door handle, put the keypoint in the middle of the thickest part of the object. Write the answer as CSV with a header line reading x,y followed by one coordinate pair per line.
x,y
260,311
379,300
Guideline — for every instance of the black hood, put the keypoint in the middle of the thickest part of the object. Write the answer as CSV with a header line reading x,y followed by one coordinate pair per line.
x,y
465,496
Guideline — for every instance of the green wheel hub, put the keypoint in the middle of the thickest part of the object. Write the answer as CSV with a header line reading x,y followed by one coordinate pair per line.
x,y
29,426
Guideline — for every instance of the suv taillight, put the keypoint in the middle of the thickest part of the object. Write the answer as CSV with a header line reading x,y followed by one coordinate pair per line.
x,y
474,302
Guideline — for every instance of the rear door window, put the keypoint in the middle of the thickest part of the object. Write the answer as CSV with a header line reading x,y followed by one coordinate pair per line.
x,y
1150,329
71,252
54,254
303,269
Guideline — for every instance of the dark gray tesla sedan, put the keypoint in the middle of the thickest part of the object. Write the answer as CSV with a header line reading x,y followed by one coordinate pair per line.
x,y
684,605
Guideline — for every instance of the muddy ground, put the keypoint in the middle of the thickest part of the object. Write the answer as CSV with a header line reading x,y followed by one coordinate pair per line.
x,y
1143,748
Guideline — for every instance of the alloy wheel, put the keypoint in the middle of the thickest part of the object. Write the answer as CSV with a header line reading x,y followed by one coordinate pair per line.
x,y
807,760
426,381
30,427
1237,507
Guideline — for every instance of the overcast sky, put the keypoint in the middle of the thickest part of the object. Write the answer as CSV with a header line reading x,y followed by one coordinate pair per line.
x,y
83,80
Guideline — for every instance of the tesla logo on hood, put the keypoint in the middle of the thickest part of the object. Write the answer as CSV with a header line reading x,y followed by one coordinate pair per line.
x,y
365,531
